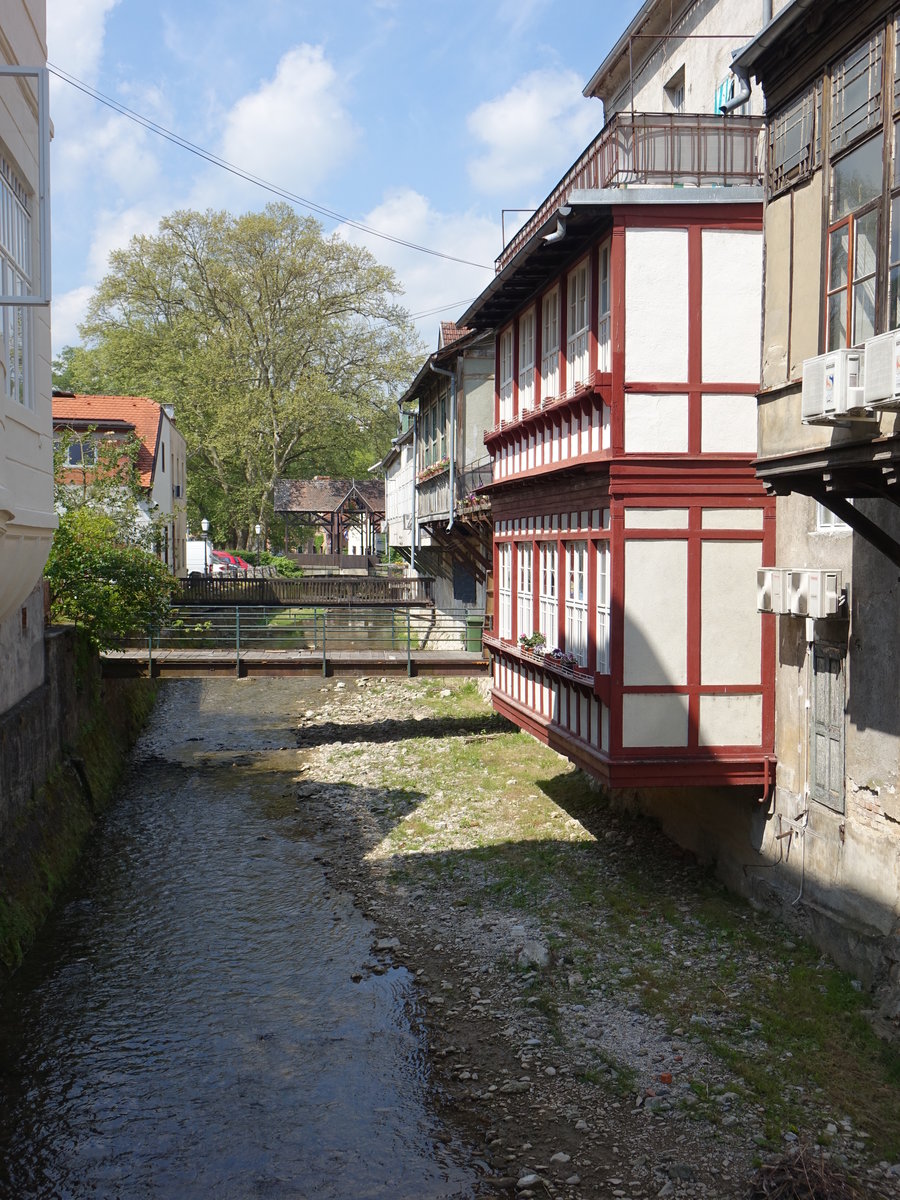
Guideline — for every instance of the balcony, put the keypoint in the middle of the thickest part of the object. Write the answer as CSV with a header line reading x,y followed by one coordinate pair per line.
x,y
656,149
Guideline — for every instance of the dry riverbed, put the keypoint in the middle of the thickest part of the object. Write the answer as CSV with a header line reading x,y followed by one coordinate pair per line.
x,y
602,1018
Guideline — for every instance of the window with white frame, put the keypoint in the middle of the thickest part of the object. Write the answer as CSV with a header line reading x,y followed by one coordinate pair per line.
x,y
604,357
549,596
602,632
576,601
828,522
433,424
526,361
504,590
524,590
506,375
82,452
550,345
577,328
15,280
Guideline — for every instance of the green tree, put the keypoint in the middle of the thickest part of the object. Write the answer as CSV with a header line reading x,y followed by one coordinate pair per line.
x,y
108,588
280,349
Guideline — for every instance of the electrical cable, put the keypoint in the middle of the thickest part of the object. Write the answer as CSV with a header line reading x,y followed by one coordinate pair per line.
x,y
214,159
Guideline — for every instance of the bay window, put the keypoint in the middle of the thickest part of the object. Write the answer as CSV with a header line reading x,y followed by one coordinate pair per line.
x,y
603,608
577,327
526,362
576,601
506,375
603,322
524,593
549,603
550,345
504,590
15,280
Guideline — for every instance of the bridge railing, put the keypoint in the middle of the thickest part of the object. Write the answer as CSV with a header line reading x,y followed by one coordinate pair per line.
x,y
318,631
315,590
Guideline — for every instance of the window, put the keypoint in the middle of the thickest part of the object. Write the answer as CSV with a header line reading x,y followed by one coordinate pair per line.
x,y
603,609
853,246
795,140
549,604
81,453
163,457
506,375
433,426
15,280
524,592
577,328
856,93
504,589
827,522
576,601
550,345
603,322
526,362
674,90
826,727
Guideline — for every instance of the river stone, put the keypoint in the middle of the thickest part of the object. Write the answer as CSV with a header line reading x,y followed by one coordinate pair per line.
x,y
534,954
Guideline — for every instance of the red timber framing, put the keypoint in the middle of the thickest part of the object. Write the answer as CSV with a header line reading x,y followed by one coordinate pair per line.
x,y
562,478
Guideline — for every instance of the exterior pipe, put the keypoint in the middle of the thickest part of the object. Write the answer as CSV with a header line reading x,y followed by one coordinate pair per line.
x,y
451,375
743,92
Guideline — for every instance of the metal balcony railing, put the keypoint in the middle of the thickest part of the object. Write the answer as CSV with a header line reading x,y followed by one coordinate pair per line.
x,y
665,149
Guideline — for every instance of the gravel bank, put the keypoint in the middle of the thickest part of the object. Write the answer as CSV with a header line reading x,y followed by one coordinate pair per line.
x,y
588,992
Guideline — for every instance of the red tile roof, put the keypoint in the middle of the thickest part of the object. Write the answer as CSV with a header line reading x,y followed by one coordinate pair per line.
x,y
451,332
110,412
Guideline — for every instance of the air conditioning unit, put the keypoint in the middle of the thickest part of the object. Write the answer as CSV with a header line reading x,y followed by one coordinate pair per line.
x,y
814,592
833,388
882,375
772,589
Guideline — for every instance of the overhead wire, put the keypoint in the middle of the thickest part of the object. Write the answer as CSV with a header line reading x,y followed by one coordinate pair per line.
x,y
301,201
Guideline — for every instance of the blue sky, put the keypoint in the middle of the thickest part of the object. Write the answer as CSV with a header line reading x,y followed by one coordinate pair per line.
x,y
420,119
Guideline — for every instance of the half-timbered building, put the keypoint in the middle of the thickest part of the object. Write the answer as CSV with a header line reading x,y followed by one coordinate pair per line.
x,y
628,521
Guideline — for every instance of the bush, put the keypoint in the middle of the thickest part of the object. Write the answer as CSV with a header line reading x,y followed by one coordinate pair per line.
x,y
107,588
285,567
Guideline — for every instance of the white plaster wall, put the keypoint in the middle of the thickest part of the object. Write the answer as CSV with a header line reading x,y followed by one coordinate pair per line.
x,y
656,518
22,650
656,305
398,498
730,629
701,38
732,518
732,305
730,720
656,423
728,424
655,646
649,720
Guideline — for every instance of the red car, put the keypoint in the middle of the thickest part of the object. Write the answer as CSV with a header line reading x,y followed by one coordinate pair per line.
x,y
225,563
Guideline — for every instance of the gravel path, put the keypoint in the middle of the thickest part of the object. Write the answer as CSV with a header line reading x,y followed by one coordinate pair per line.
x,y
557,1047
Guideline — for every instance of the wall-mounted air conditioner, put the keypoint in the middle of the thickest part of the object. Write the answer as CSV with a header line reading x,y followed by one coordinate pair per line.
x,y
882,374
814,592
833,388
772,590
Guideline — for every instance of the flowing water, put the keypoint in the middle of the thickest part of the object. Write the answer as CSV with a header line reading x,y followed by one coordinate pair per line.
x,y
187,1027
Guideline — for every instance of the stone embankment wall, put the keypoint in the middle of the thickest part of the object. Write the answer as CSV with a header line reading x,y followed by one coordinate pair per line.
x,y
62,749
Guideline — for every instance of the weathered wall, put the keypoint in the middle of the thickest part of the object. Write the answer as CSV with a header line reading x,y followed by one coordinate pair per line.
x,y
22,650
62,748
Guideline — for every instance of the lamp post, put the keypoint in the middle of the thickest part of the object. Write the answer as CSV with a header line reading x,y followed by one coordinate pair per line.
x,y
258,532
204,525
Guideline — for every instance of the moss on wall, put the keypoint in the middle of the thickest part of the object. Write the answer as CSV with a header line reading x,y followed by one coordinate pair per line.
x,y
49,835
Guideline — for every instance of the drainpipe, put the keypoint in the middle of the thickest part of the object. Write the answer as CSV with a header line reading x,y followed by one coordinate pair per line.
x,y
743,92
451,375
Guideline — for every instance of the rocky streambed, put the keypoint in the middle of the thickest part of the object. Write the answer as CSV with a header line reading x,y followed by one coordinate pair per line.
x,y
602,1019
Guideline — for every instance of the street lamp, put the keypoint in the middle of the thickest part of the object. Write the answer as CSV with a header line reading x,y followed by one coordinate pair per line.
x,y
258,532
204,525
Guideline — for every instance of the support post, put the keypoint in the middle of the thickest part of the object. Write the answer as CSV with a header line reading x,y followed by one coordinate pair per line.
x,y
324,659
150,652
237,641
409,667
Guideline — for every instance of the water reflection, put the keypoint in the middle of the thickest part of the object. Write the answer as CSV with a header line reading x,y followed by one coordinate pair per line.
x,y
188,1027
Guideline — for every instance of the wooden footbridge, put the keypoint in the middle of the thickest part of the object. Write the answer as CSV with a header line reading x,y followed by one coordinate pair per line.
x,y
336,625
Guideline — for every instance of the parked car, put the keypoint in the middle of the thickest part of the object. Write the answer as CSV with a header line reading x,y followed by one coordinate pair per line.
x,y
223,563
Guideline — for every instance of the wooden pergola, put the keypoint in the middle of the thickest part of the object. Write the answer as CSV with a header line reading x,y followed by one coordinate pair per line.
x,y
333,505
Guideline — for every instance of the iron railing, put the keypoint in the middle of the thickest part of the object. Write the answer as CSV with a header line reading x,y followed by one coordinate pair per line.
x,y
693,149
313,590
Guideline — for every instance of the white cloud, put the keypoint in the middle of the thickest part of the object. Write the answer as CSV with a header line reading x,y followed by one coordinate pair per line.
x,y
66,315
531,133
75,33
111,150
430,282
294,129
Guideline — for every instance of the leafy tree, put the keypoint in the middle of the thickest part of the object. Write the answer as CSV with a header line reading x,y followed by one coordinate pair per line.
x,y
106,587
280,349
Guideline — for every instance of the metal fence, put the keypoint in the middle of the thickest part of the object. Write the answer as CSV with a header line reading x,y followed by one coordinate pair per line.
x,y
315,590
316,631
